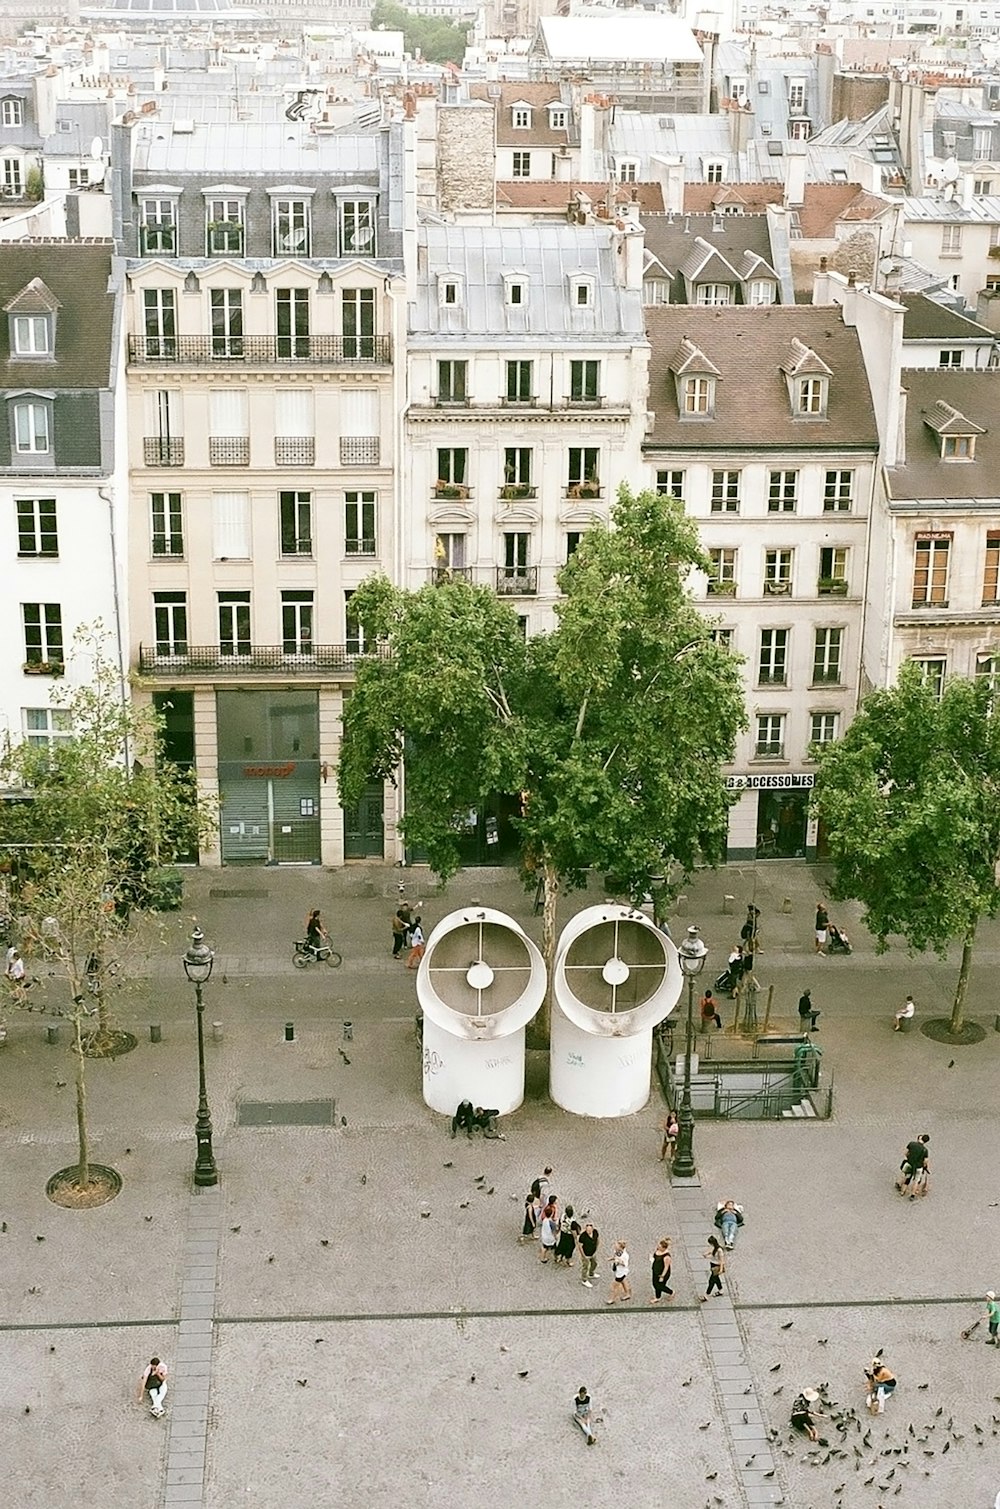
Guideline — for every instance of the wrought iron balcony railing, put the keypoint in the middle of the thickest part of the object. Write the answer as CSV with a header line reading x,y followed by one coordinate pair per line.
x,y
159,451
517,581
258,659
262,350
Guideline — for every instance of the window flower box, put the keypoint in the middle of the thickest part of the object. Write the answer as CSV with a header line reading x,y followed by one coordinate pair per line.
x,y
44,668
443,489
832,586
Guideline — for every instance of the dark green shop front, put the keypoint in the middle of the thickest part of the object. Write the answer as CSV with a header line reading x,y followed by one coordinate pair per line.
x,y
269,776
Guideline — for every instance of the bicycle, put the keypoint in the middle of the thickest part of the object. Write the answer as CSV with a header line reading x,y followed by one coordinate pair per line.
x,y
306,953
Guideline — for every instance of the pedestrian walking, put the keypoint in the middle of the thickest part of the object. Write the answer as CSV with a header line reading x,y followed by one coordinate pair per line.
x,y
748,932
588,1242
661,1266
807,1013
532,1211
154,1383
881,1385
906,1013
992,1317
716,1267
822,927
548,1232
16,975
583,1414
709,1011
620,1286
569,1230
416,945
540,1186
669,1127
915,1167
399,931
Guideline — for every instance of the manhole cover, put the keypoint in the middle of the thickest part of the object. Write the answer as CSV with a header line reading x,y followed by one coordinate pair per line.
x,y
285,1113
251,894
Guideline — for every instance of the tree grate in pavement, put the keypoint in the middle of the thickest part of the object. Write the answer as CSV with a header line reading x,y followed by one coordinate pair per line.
x,y
251,893
286,1113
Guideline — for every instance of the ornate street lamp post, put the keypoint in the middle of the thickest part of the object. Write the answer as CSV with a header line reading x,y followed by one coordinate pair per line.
x,y
198,963
692,954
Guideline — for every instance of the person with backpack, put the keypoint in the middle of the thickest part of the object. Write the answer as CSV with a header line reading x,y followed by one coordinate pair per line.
x,y
569,1230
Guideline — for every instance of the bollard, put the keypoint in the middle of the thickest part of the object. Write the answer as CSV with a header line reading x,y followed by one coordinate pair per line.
x,y
289,1032
217,1031
52,1033
155,1032
727,903
348,1032
786,905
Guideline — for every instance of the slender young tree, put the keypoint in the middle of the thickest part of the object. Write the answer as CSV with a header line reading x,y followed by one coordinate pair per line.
x,y
613,728
910,801
99,814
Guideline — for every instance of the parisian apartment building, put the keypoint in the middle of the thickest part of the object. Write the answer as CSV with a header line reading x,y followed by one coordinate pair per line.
x,y
63,479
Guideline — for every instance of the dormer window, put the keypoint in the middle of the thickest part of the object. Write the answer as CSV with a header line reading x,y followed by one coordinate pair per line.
x,y
158,226
521,117
760,291
224,227
626,169
450,292
958,447
956,433
714,169
11,112
699,395
32,335
357,228
515,291
582,293
812,396
713,293
557,117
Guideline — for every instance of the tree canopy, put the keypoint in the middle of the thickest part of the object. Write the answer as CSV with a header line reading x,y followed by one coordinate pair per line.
x,y
910,802
437,40
613,728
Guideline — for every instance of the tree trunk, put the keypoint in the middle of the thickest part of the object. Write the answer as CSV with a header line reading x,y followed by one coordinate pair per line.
x,y
958,1008
83,1167
539,1029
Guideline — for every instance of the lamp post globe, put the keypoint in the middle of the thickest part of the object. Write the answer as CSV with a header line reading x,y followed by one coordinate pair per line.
x,y
198,961
692,954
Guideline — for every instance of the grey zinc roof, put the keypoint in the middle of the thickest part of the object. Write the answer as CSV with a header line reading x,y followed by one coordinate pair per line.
x,y
927,320
924,475
253,147
984,209
642,134
86,120
548,256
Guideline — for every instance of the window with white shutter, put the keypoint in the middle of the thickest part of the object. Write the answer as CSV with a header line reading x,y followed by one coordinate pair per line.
x,y
231,526
359,427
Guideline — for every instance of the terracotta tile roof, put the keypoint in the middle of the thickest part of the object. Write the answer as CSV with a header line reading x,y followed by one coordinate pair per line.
x,y
551,194
753,408
823,203
975,397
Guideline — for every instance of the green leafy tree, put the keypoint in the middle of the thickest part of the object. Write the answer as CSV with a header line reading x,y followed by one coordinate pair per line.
x,y
910,801
437,40
100,813
613,728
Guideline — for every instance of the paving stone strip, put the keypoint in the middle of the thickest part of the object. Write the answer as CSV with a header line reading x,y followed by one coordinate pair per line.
x,y
187,1400
757,1469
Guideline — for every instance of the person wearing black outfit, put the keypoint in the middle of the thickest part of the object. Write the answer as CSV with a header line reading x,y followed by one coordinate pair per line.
x,y
660,1271
915,1166
464,1117
807,1012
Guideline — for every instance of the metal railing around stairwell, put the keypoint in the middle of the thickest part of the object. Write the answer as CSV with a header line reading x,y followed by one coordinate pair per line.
x,y
768,1103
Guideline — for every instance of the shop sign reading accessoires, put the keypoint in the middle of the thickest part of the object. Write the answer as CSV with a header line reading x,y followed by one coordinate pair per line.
x,y
783,781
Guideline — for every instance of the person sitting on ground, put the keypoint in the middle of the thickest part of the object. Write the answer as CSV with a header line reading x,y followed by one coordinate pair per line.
x,y
709,1011
881,1385
583,1414
805,1413
463,1118
905,1013
486,1120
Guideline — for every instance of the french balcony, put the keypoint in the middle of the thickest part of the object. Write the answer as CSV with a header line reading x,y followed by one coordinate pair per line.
x,y
294,450
259,659
590,489
261,350
158,451
441,576
511,491
517,581
229,450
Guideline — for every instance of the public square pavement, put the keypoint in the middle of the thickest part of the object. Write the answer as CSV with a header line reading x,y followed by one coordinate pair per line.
x,y
347,1319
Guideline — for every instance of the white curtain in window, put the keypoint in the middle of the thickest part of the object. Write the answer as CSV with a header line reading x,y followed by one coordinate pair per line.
x,y
228,412
231,526
163,414
293,413
359,412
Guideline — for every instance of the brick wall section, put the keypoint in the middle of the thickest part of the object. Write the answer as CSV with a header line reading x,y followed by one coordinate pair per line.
x,y
465,157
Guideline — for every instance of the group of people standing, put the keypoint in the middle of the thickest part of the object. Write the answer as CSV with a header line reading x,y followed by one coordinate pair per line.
x,y
407,933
